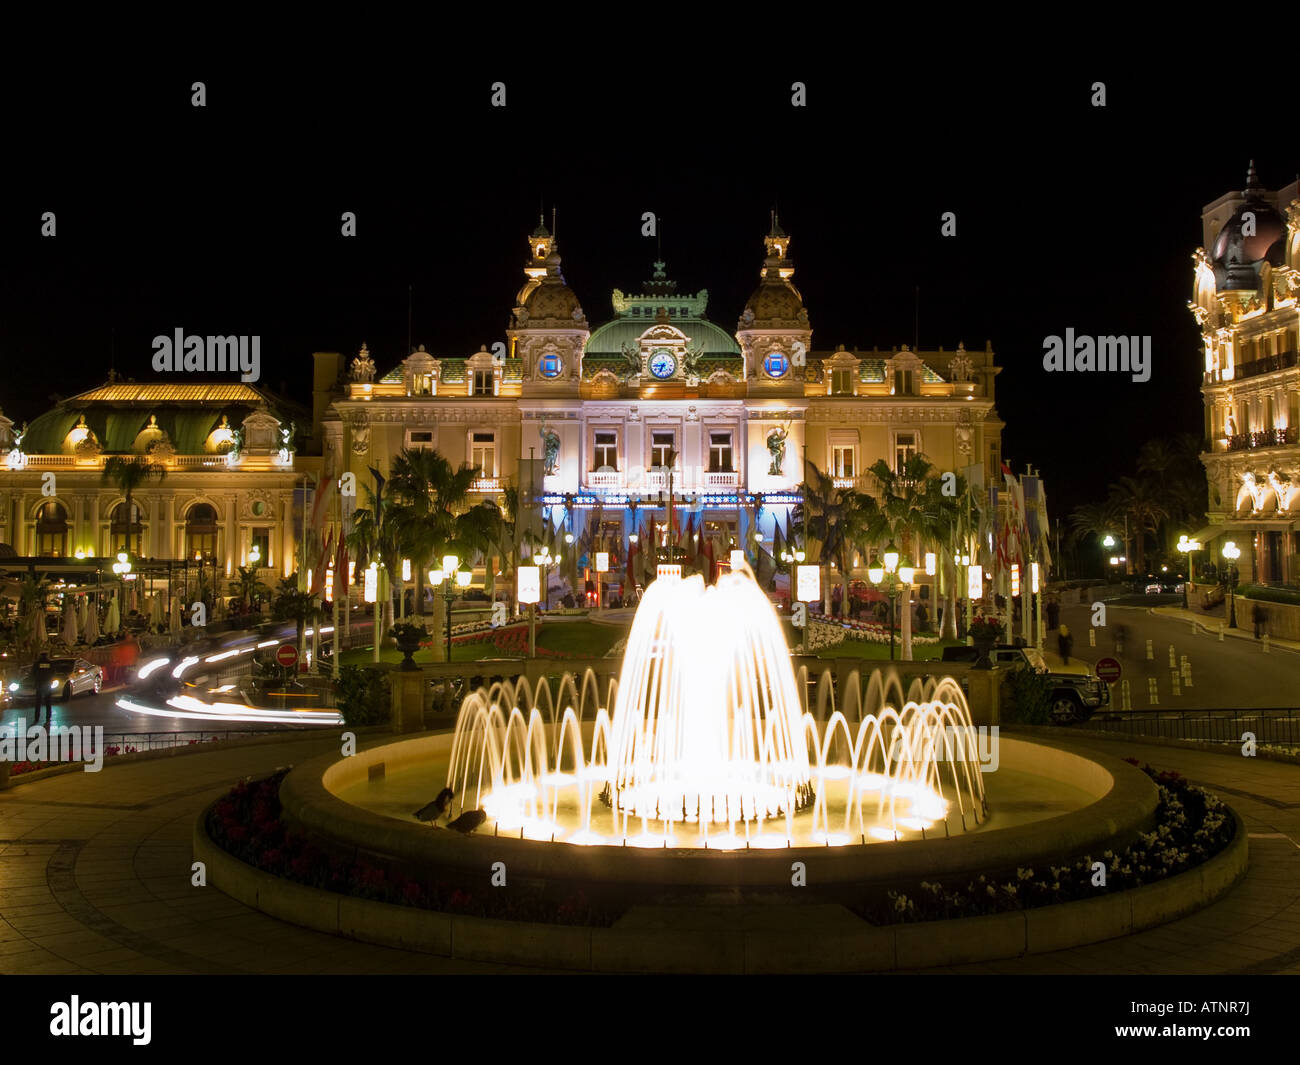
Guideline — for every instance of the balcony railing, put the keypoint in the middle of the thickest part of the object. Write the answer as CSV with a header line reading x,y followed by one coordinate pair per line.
x,y
486,484
721,478
1264,438
604,479
1283,360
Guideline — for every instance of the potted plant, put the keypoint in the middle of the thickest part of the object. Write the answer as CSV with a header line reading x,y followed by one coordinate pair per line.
x,y
408,637
984,631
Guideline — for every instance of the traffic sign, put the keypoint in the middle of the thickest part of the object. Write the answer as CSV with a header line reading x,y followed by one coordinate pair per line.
x,y
286,655
1108,669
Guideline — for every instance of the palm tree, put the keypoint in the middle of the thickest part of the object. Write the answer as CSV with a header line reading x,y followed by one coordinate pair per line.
x,y
374,538
127,475
1139,498
912,510
249,587
821,521
1095,520
432,515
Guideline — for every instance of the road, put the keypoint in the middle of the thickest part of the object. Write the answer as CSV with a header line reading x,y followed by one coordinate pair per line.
x,y
1228,675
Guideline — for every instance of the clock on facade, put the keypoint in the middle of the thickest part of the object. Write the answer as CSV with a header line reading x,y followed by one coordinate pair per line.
x,y
662,364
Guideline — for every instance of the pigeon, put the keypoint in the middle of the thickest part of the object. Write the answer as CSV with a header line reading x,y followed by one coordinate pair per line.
x,y
467,822
434,810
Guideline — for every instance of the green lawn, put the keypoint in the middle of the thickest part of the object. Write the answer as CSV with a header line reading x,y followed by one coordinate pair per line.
x,y
865,649
581,639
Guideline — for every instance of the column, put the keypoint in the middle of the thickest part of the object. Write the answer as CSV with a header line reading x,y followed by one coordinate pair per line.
x,y
232,537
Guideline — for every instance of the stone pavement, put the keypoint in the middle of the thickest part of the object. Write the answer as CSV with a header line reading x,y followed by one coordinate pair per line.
x,y
95,878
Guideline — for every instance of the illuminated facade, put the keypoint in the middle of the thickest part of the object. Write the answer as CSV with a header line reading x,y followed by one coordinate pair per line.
x,y
609,426
228,497
1245,289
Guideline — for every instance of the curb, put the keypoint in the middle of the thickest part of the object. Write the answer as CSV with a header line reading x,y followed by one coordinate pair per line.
x,y
843,945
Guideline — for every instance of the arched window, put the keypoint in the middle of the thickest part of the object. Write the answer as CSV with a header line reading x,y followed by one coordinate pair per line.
x,y
52,530
201,532
126,535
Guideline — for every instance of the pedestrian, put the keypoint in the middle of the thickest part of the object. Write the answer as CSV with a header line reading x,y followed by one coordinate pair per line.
x,y
1053,613
1260,617
43,679
1064,642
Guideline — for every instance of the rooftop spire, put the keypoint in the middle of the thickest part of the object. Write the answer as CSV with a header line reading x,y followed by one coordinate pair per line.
x,y
1253,184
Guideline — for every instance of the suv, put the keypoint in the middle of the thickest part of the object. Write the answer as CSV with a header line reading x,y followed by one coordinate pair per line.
x,y
1076,695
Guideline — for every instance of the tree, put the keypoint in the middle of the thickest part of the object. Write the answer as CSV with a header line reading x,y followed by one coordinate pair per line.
x,y
127,475
1139,498
432,514
374,538
249,587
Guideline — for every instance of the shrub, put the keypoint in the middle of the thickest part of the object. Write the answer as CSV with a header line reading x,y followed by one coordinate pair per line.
x,y
1031,697
363,695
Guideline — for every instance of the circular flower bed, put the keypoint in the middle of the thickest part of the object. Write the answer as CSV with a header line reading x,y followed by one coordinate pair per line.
x,y
246,823
1193,826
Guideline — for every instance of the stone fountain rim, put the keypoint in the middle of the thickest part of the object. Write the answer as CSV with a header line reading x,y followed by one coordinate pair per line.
x,y
1126,807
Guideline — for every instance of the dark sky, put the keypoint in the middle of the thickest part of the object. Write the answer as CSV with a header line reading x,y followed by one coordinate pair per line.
x,y
226,219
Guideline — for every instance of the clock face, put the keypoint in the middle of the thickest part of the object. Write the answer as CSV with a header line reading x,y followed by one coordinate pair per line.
x,y
662,364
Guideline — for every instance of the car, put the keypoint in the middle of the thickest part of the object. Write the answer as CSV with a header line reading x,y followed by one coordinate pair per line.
x,y
1077,692
72,676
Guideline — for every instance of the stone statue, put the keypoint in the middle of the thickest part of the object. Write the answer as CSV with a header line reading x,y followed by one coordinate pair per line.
x,y
551,450
632,360
363,367
776,447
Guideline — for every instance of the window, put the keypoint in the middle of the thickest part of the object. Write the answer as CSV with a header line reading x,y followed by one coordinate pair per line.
x,y
422,384
417,439
484,381
259,549
550,365
606,449
843,462
776,364
52,530
903,383
905,447
842,382
483,453
662,446
125,535
201,532
720,452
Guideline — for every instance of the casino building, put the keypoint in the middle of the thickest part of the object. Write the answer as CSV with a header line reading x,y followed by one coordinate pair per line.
x,y
1245,302
659,426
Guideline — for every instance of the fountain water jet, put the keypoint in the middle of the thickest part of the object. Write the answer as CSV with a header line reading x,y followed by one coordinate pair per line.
x,y
712,742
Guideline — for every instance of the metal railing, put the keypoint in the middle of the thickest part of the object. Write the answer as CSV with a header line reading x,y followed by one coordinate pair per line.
x,y
1276,725
157,741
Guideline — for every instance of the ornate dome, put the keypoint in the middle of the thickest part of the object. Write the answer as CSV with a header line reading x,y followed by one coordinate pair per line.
x,y
552,299
774,300
1235,252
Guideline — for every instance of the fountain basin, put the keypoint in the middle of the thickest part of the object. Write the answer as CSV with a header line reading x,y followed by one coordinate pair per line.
x,y
1056,803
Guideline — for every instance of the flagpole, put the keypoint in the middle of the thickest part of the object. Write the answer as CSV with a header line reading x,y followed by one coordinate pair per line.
x,y
340,581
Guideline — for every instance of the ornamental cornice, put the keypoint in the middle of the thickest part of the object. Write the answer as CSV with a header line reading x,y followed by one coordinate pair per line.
x,y
882,413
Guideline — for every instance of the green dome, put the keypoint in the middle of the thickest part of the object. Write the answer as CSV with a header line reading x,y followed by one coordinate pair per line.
x,y
711,339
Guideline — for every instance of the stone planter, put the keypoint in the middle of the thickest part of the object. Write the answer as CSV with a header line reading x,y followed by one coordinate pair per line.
x,y
984,646
408,644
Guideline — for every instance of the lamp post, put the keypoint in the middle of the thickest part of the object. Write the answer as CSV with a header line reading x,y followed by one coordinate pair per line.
x,y
1232,552
1187,546
543,559
895,577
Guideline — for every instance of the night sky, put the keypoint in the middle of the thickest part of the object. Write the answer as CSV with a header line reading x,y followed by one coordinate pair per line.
x,y
226,219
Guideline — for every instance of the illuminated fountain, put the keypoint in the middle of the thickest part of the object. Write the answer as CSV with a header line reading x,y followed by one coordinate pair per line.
x,y
712,742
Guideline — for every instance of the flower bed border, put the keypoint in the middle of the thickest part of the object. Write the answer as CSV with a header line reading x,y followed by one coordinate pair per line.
x,y
818,938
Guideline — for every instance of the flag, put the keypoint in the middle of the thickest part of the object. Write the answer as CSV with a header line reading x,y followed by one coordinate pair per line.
x,y
341,567
319,563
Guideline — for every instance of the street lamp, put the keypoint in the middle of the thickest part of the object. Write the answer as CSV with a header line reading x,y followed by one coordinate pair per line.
x,y
895,577
1187,546
543,559
1232,552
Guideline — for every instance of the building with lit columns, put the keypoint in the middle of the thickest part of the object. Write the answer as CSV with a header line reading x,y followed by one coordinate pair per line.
x,y
610,426
1245,289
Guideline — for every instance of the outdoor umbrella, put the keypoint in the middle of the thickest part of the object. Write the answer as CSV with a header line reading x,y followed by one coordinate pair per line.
x,y
36,622
113,621
156,611
175,623
92,620
81,612
69,621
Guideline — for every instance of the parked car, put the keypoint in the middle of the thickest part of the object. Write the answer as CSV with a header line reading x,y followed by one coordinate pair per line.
x,y
1077,692
72,676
